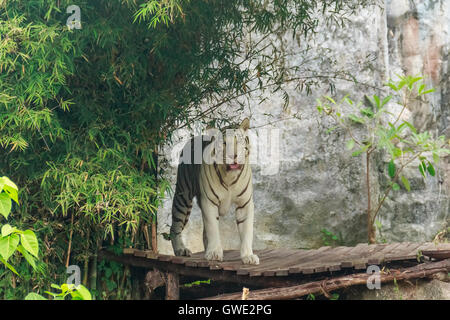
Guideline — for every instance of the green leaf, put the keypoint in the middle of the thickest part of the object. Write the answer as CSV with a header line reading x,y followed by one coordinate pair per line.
x,y
428,91
435,157
391,169
406,124
330,99
397,152
34,296
422,168
27,256
377,101
8,245
367,112
421,88
357,153
5,205
65,287
319,109
10,267
7,182
395,187
412,81
81,293
386,100
10,188
430,169
348,100
356,118
392,86
30,242
406,183
350,144
6,230
378,224
331,129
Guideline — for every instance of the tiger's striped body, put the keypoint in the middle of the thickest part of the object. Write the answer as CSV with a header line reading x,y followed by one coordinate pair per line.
x,y
216,186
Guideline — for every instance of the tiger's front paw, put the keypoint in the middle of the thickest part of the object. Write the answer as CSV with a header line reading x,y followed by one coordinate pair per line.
x,y
216,255
183,252
250,259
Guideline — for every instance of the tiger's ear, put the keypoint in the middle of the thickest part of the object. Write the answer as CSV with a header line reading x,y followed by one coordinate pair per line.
x,y
245,124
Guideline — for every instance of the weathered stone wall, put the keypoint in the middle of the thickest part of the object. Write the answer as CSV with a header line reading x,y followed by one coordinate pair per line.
x,y
317,184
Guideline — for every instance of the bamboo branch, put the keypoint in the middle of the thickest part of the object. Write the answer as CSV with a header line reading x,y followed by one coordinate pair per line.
x,y
70,241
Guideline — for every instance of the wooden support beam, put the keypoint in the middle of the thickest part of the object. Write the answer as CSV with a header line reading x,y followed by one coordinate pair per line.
x,y
323,287
172,286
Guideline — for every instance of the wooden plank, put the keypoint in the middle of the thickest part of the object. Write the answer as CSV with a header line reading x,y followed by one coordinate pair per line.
x,y
435,250
140,253
264,259
281,264
378,257
152,255
231,258
354,255
333,263
362,260
389,252
281,267
408,251
308,257
197,260
270,260
165,257
179,259
263,255
414,251
331,258
128,251
437,254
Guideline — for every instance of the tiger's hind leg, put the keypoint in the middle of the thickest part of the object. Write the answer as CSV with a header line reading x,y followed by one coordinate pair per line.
x,y
181,209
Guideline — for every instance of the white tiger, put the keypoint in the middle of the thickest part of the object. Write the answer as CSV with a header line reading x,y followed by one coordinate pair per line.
x,y
217,185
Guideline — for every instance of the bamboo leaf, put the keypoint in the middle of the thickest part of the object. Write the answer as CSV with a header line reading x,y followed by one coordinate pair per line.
x,y
391,169
430,169
406,183
422,168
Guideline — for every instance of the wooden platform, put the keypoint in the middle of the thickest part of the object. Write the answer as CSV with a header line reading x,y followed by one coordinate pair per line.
x,y
285,262
297,271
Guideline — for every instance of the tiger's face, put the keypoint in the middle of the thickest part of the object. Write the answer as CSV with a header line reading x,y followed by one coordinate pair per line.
x,y
234,147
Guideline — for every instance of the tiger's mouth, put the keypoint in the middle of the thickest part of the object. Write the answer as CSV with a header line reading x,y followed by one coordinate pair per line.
x,y
234,166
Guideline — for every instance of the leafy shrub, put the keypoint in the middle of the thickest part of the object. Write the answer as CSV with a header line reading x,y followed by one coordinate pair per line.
x,y
385,131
